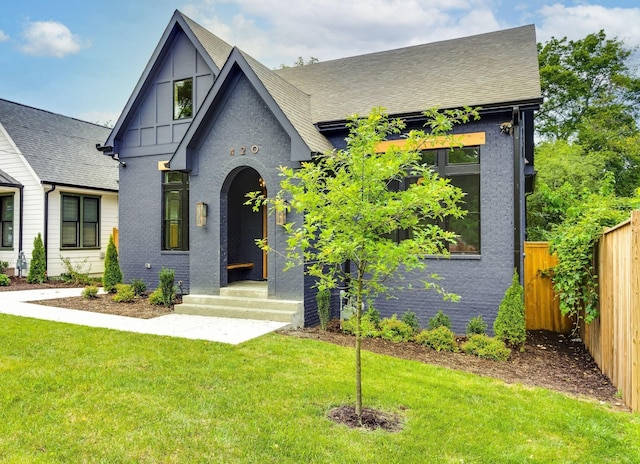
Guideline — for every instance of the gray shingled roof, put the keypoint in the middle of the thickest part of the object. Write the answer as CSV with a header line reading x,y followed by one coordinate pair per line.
x,y
217,48
6,179
60,149
481,70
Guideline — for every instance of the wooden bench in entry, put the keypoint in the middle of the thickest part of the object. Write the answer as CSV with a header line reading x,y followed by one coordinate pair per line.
x,y
231,267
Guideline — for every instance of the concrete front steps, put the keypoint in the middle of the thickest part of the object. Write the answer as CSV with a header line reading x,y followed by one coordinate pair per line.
x,y
244,300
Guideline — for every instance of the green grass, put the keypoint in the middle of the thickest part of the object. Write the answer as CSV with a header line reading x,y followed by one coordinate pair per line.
x,y
73,394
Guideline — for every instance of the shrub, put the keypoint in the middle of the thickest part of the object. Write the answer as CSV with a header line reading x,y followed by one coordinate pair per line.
x,y
38,265
112,273
323,298
395,330
411,319
367,326
4,265
509,325
374,316
75,273
439,320
476,325
124,294
167,288
440,339
486,348
89,292
139,287
155,298
5,281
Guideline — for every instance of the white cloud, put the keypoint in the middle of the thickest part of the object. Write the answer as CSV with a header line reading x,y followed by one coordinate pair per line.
x,y
579,21
276,31
3,37
50,38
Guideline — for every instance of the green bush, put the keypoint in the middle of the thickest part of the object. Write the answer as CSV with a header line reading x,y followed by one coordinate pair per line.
x,y
323,298
509,325
411,319
367,326
439,320
374,316
89,292
476,325
4,265
112,273
5,281
486,348
139,287
38,265
440,339
75,273
156,297
393,329
124,294
167,288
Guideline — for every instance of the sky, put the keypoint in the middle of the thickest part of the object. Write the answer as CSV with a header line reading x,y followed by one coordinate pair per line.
x,y
83,58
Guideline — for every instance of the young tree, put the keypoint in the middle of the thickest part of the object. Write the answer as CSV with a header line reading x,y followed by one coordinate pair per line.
x,y
38,265
350,207
112,273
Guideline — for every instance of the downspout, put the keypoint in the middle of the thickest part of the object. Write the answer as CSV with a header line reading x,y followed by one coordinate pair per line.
x,y
21,218
46,225
517,192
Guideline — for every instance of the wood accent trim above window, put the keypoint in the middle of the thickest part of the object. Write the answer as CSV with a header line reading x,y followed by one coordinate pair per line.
x,y
162,165
472,138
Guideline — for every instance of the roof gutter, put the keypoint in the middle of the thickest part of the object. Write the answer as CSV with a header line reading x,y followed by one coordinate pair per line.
x,y
83,187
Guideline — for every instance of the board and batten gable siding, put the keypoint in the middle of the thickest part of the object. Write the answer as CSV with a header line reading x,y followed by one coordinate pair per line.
x,y
245,120
14,164
88,260
152,123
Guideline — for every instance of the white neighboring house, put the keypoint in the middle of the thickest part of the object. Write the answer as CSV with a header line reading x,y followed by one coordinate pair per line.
x,y
54,182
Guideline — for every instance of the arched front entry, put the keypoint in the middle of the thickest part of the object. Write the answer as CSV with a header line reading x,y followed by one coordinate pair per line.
x,y
241,226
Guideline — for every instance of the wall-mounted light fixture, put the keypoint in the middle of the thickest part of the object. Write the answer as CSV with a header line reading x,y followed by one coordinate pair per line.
x,y
201,214
281,213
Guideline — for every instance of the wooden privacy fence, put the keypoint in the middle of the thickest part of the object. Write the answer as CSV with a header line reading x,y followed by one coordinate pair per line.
x,y
542,308
613,339
115,237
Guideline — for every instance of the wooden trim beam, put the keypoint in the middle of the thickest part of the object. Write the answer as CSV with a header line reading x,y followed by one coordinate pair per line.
x,y
466,140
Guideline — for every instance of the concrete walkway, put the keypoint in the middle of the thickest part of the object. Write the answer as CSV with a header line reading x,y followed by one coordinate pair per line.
x,y
215,329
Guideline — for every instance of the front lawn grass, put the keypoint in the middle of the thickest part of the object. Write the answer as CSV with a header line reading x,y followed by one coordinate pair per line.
x,y
77,394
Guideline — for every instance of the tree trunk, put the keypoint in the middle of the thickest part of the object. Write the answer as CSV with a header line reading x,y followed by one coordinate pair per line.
x,y
358,349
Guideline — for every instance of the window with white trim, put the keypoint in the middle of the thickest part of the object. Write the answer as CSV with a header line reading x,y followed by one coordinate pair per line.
x,y
6,221
80,221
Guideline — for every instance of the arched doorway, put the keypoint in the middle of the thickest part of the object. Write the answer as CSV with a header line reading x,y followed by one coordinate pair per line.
x,y
245,261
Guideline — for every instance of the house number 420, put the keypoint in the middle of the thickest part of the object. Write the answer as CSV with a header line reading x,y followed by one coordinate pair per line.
x,y
254,149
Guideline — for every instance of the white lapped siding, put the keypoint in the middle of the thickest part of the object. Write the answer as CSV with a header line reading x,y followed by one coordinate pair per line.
x,y
90,261
14,164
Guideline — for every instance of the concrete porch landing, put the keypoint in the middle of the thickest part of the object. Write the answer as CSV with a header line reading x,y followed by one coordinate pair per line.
x,y
244,300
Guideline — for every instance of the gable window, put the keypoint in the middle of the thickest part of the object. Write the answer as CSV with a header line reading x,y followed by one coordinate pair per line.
x,y
175,210
6,221
183,99
80,221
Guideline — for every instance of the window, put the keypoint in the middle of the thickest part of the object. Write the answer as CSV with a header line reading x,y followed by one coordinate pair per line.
x,y
183,99
6,221
80,221
462,167
175,211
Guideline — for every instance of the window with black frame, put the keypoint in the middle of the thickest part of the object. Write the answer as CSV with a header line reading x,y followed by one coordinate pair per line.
x,y
462,167
175,211
183,98
80,221
6,221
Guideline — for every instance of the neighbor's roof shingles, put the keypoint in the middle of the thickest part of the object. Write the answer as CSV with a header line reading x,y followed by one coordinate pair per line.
x,y
60,149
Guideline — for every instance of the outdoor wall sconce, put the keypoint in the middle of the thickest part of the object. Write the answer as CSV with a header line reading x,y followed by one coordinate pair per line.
x,y
201,214
281,213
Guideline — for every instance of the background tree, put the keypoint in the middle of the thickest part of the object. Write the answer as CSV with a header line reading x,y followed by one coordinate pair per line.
x,y
38,265
349,212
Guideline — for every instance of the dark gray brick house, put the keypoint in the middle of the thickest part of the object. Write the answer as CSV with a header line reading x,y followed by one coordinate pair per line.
x,y
208,123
